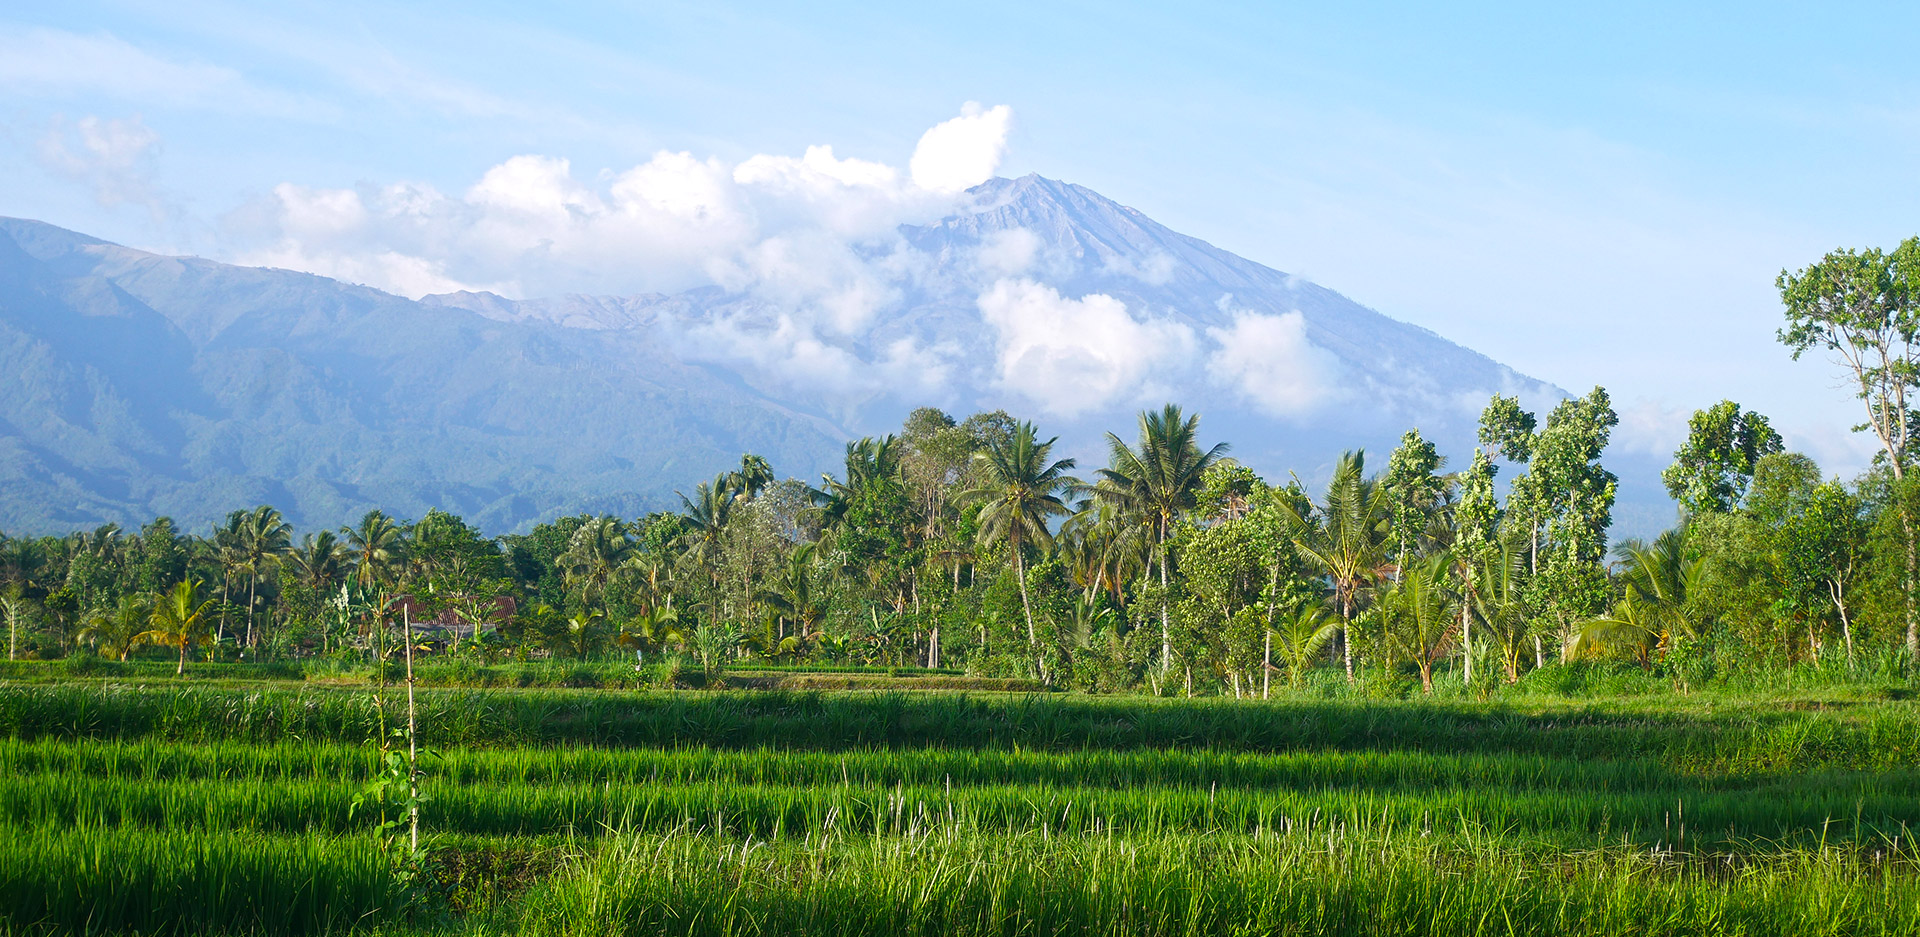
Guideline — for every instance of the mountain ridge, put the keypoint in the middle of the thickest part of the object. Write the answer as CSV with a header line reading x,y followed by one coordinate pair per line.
x,y
185,386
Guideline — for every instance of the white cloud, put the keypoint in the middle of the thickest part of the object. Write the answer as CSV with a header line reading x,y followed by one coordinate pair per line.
x,y
817,232
1155,269
1650,427
114,157
1269,360
963,152
1007,253
1069,356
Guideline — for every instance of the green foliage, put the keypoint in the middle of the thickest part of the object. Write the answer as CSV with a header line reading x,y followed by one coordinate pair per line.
x,y
1710,472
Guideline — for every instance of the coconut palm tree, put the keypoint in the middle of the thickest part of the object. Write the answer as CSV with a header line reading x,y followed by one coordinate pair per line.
x,y
656,627
1104,551
1301,635
227,549
752,477
594,556
265,537
1348,540
793,595
1021,492
1659,604
377,548
116,630
708,512
179,618
1155,484
649,578
320,561
1419,614
584,634
1499,599
13,602
869,462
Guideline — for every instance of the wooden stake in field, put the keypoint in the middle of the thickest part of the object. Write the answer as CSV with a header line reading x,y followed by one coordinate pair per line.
x,y
413,749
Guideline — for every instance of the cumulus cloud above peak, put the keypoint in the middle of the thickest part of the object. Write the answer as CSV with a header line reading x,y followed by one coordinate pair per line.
x,y
963,152
532,226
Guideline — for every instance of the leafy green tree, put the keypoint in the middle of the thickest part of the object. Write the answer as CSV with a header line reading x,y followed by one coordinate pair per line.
x,y
1863,307
1022,492
1506,430
1155,484
160,558
454,555
1820,550
1476,520
533,558
1711,471
1223,568
1413,489
1574,495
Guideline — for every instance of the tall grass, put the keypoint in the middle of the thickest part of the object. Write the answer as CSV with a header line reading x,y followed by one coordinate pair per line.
x,y
1748,738
201,809
106,880
1324,883
1867,812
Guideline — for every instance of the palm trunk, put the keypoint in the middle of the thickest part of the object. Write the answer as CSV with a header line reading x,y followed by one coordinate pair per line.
x,y
1033,638
413,748
1166,625
181,670
1346,634
1466,636
253,598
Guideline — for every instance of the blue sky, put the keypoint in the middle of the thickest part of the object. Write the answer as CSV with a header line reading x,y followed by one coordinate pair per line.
x,y
1598,195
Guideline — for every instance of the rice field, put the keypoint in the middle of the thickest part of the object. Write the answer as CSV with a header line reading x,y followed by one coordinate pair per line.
x,y
170,809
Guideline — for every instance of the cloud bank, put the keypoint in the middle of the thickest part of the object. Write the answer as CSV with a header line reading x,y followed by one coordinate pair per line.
x,y
805,254
797,227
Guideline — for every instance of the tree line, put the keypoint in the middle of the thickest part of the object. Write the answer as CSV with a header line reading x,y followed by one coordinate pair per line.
x,y
967,543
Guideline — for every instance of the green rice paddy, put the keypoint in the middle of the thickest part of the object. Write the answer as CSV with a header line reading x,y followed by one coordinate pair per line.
x,y
170,809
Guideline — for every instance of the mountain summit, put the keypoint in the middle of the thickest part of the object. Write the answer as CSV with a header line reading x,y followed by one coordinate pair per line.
x,y
146,384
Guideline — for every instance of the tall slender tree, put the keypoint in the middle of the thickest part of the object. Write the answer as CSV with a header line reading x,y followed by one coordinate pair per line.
x,y
1863,307
265,538
1348,540
1021,492
1155,483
